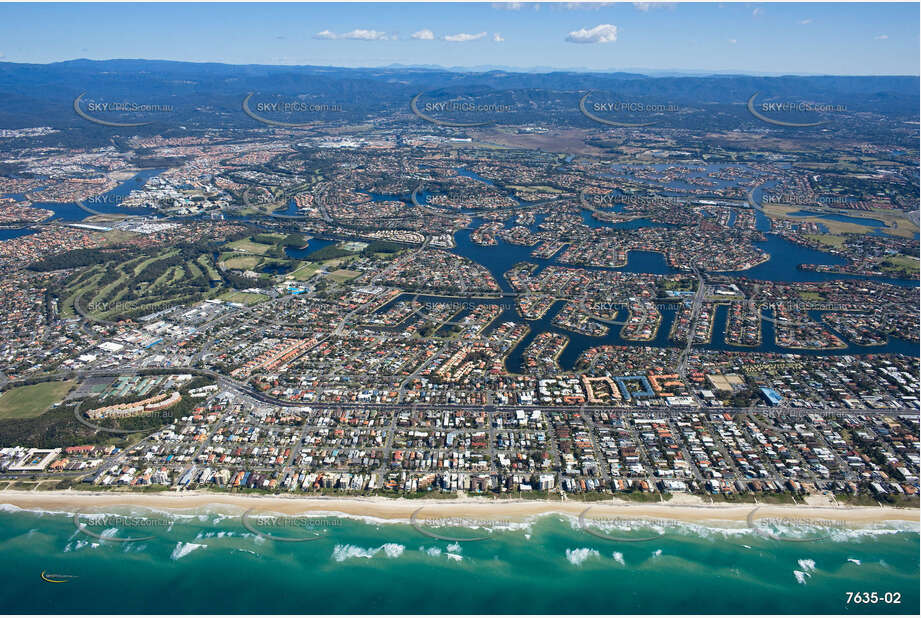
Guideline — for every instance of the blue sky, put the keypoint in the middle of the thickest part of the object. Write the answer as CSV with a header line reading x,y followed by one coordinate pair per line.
x,y
806,38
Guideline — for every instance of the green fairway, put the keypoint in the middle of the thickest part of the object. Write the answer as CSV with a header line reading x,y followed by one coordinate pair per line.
x,y
133,285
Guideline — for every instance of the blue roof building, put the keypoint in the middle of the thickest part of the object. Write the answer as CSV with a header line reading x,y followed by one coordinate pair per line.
x,y
773,397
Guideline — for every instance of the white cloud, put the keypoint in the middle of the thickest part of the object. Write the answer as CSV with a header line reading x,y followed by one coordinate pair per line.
x,y
646,6
508,6
733,41
803,22
497,38
758,12
355,35
366,35
583,6
881,37
463,37
424,35
603,33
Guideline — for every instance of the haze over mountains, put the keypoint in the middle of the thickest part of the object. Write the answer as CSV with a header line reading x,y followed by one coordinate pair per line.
x,y
208,95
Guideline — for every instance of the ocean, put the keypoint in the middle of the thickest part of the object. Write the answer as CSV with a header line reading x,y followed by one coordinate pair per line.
x,y
209,562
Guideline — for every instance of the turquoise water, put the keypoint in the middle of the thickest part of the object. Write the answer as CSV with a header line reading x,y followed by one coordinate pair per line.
x,y
210,563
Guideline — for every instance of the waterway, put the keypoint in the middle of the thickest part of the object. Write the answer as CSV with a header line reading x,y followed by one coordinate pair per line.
x,y
19,232
785,257
313,244
107,203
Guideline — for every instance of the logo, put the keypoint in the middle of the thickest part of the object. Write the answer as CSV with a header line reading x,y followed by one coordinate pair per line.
x,y
115,521
602,535
766,531
450,521
271,521
288,108
57,578
450,106
785,107
120,107
609,107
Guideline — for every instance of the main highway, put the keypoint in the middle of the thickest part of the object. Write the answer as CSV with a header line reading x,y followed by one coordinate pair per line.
x,y
240,388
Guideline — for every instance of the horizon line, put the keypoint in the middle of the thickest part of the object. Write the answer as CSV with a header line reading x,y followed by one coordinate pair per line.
x,y
645,72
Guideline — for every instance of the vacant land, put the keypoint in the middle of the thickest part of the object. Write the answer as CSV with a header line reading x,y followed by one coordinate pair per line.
x,y
827,239
32,400
901,264
247,245
240,261
343,274
897,224
245,298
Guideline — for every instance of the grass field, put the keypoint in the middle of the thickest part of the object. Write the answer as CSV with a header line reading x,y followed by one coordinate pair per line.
x,y
241,261
343,274
32,400
901,263
245,298
305,272
247,245
137,284
896,223
534,188
827,239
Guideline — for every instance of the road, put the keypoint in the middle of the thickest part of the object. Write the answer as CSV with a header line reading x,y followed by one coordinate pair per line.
x,y
695,309
241,388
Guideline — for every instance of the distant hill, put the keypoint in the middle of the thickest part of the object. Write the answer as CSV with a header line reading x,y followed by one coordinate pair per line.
x,y
206,95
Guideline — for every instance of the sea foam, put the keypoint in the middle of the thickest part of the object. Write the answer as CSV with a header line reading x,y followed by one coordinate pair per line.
x,y
184,549
580,555
345,552
806,565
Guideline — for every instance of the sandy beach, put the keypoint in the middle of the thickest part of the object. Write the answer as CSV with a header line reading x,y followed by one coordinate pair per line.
x,y
681,508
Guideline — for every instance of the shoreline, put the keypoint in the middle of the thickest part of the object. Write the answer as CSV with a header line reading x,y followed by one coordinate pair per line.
x,y
686,509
